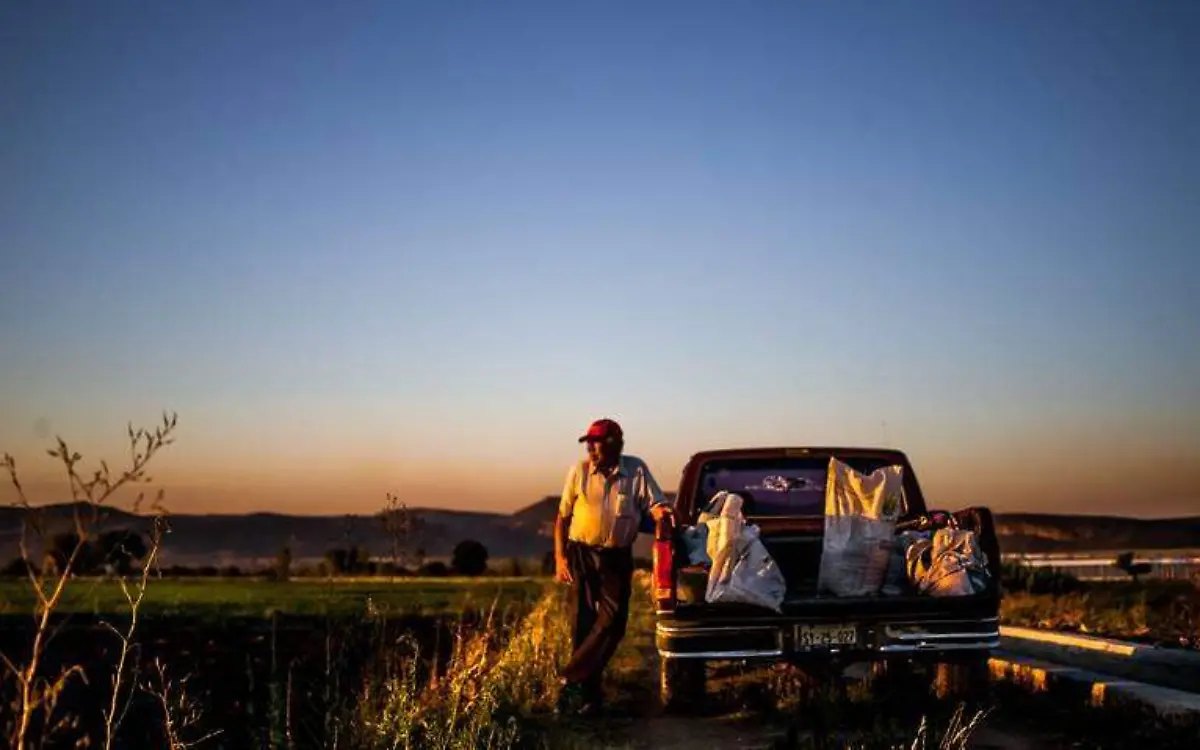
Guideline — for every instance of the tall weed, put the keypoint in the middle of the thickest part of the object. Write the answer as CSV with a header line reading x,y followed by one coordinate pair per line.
x,y
499,673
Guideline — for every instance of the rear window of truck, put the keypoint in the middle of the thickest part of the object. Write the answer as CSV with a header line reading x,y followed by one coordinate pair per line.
x,y
793,486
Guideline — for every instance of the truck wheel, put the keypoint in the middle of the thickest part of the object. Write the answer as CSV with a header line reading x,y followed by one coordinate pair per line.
x,y
681,683
964,679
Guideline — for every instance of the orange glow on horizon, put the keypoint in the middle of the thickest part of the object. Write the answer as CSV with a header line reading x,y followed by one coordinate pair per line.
x,y
1012,479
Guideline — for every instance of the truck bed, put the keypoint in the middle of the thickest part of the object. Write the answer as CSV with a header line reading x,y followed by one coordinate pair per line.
x,y
782,495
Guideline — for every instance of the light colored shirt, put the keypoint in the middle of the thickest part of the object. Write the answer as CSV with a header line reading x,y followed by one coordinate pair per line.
x,y
606,508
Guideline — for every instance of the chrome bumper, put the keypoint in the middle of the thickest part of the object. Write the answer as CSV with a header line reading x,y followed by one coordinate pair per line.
x,y
685,640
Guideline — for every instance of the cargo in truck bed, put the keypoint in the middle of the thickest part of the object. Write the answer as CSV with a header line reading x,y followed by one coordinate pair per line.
x,y
783,496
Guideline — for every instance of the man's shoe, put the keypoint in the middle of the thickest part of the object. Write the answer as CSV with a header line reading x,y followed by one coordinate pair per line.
x,y
593,700
571,698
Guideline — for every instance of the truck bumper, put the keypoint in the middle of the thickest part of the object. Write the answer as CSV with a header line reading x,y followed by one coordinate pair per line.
x,y
809,640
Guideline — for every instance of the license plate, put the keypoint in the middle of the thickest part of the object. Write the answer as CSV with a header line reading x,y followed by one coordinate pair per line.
x,y
825,636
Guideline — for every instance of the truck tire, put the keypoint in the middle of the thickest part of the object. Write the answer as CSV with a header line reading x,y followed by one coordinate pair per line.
x,y
681,684
964,679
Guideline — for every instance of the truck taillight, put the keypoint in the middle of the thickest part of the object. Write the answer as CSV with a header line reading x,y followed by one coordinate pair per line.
x,y
664,564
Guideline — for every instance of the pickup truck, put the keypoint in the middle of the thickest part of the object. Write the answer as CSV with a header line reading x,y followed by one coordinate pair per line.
x,y
817,632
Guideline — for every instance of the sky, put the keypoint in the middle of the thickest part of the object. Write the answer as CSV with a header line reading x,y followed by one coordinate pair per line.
x,y
417,247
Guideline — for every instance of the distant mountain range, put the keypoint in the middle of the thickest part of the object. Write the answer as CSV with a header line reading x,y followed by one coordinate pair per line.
x,y
240,539
1045,533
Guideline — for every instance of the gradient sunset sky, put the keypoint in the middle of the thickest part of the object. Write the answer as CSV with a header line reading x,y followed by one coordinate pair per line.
x,y
418,246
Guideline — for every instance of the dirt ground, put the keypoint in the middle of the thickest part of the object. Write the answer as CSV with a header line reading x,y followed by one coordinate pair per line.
x,y
642,726
780,708
673,733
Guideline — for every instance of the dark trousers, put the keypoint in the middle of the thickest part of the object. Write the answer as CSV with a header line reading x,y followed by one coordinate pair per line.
x,y
603,582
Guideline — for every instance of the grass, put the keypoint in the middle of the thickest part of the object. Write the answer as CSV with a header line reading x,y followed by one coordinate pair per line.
x,y
1160,610
500,676
1163,611
207,599
498,688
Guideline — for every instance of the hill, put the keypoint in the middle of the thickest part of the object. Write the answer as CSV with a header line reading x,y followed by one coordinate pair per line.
x,y
221,539
1040,532
236,539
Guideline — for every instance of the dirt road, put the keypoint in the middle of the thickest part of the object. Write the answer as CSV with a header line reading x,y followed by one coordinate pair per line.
x,y
672,733
780,708
658,732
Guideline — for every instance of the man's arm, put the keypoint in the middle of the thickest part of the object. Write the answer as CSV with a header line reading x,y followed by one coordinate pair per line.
x,y
655,502
562,571
562,526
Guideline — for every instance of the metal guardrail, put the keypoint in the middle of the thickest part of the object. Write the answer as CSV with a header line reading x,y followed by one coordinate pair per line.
x,y
1072,640
1103,554
1097,562
1075,686
1093,566
1174,668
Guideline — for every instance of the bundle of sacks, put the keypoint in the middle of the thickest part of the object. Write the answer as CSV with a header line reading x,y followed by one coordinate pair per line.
x,y
951,563
863,555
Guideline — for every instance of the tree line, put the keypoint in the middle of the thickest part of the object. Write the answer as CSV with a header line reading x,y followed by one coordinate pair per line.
x,y
119,551
112,551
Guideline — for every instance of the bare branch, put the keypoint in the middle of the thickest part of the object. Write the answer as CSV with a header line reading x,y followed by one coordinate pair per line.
x,y
89,493
180,713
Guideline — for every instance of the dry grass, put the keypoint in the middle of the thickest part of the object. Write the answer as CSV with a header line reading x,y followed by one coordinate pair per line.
x,y
499,688
182,715
1165,611
38,694
498,675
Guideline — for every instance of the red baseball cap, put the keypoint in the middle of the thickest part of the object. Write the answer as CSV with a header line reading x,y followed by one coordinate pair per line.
x,y
602,429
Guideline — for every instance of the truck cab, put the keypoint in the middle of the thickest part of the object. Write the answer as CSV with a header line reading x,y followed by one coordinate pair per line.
x,y
815,630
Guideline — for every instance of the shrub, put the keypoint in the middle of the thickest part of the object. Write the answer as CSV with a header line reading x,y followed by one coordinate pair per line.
x,y
470,558
434,569
19,568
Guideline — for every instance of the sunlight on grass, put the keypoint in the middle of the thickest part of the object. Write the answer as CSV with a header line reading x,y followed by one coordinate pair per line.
x,y
501,676
497,673
218,598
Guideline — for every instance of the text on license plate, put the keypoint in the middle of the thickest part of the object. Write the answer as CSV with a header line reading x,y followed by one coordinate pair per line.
x,y
824,636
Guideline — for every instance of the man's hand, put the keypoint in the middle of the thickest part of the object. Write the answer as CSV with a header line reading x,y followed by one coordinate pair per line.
x,y
562,570
659,512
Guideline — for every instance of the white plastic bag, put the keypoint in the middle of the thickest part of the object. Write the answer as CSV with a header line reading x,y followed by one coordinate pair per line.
x,y
696,538
742,569
860,525
725,528
695,541
950,564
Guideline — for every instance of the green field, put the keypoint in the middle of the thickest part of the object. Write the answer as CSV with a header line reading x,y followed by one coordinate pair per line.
x,y
205,598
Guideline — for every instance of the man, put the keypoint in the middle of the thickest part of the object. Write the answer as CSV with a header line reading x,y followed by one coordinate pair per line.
x,y
606,499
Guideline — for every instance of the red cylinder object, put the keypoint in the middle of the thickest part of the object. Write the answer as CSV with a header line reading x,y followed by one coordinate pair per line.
x,y
664,564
